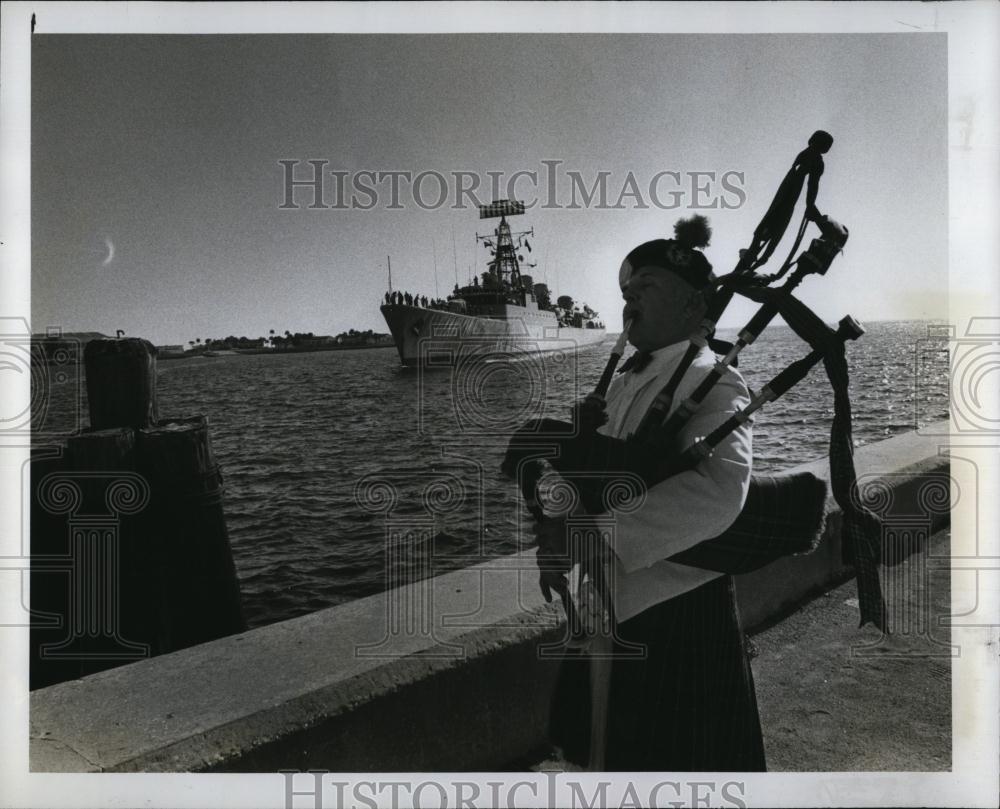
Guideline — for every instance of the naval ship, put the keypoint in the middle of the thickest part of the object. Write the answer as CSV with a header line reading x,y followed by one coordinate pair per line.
x,y
502,315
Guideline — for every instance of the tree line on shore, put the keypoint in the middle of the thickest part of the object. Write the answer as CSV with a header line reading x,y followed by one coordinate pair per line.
x,y
287,340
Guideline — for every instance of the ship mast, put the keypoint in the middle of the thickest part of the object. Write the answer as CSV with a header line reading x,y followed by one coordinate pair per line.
x,y
505,264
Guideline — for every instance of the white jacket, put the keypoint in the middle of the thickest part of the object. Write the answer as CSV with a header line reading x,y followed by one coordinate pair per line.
x,y
688,508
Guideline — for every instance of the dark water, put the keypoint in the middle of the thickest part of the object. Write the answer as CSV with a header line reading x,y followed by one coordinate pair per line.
x,y
327,454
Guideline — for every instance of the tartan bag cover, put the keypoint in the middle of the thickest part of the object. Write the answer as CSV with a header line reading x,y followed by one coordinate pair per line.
x,y
783,516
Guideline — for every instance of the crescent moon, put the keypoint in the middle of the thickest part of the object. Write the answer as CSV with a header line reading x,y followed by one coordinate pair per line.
x,y
111,252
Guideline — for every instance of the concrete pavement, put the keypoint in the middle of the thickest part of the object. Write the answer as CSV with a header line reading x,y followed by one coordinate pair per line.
x,y
836,698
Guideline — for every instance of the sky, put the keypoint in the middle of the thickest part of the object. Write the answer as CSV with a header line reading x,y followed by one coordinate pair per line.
x,y
157,187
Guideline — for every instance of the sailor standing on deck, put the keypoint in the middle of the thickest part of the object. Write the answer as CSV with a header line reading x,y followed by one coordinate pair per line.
x,y
689,703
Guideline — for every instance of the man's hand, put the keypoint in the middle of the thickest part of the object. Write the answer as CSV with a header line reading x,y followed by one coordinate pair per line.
x,y
558,551
589,412
550,536
553,557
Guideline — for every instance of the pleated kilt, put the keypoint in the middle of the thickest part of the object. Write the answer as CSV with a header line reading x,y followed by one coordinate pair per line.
x,y
688,706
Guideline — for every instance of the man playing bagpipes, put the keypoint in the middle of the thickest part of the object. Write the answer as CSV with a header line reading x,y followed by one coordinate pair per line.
x,y
689,704
656,676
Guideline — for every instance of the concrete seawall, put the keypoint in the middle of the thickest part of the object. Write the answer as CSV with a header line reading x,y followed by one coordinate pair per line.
x,y
449,674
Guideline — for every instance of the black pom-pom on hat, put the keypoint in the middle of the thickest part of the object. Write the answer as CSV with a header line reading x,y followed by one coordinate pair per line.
x,y
694,232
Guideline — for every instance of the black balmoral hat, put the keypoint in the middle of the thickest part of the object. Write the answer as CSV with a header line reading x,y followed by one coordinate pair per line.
x,y
680,255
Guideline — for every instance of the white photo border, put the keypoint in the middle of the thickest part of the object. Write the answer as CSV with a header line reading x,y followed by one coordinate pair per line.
x,y
973,245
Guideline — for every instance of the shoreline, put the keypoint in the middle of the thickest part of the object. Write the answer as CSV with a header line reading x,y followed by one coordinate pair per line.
x,y
230,352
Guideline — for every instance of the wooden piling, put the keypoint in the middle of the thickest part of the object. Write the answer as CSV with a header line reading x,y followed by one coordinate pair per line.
x,y
49,591
131,539
193,578
121,383
102,450
110,579
90,576
190,542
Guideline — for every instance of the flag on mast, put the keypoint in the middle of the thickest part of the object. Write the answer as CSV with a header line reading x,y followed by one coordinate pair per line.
x,y
437,293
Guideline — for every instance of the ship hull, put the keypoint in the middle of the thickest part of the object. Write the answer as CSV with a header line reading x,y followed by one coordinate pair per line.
x,y
429,337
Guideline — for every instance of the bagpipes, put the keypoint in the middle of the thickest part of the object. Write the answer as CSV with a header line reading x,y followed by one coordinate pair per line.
x,y
782,514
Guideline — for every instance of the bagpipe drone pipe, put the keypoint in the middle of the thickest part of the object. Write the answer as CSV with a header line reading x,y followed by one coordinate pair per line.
x,y
783,514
